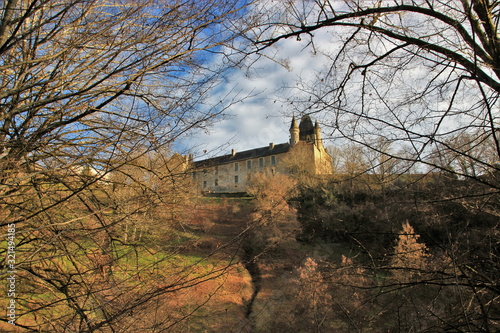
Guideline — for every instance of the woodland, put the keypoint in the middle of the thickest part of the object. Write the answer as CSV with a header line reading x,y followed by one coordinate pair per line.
x,y
103,230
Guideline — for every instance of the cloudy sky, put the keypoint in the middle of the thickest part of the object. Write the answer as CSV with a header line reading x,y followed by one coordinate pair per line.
x,y
265,115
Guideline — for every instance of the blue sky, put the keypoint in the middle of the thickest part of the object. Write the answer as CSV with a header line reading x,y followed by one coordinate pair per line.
x,y
265,115
391,94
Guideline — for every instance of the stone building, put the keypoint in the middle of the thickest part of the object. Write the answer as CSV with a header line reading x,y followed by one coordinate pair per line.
x,y
232,173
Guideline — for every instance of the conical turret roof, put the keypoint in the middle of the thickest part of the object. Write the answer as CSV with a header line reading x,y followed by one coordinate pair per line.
x,y
294,123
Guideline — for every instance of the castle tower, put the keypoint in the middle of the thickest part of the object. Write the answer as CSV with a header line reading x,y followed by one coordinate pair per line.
x,y
294,132
317,134
306,130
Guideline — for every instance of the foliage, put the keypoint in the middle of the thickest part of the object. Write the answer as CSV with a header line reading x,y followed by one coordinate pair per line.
x,y
274,219
414,278
410,256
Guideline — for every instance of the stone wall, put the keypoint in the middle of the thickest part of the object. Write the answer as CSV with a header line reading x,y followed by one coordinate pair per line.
x,y
234,177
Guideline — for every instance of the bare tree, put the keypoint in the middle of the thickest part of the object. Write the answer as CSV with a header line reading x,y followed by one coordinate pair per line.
x,y
415,73
422,76
273,220
90,90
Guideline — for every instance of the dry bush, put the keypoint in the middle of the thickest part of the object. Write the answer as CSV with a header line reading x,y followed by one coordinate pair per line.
x,y
273,219
410,257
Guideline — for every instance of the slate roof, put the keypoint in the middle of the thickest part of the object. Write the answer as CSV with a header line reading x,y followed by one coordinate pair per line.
x,y
244,155
306,128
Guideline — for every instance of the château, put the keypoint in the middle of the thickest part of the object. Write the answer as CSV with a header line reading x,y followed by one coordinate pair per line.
x,y
232,173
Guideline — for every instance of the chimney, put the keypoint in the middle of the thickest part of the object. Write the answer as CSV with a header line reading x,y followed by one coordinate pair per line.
x,y
233,152
271,146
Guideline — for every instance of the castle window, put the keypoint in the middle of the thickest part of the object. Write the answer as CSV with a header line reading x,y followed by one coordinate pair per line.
x,y
204,184
216,170
236,179
249,164
261,162
236,166
216,182
273,160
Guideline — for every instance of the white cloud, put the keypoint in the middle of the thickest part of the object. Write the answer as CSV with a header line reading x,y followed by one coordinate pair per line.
x,y
265,116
